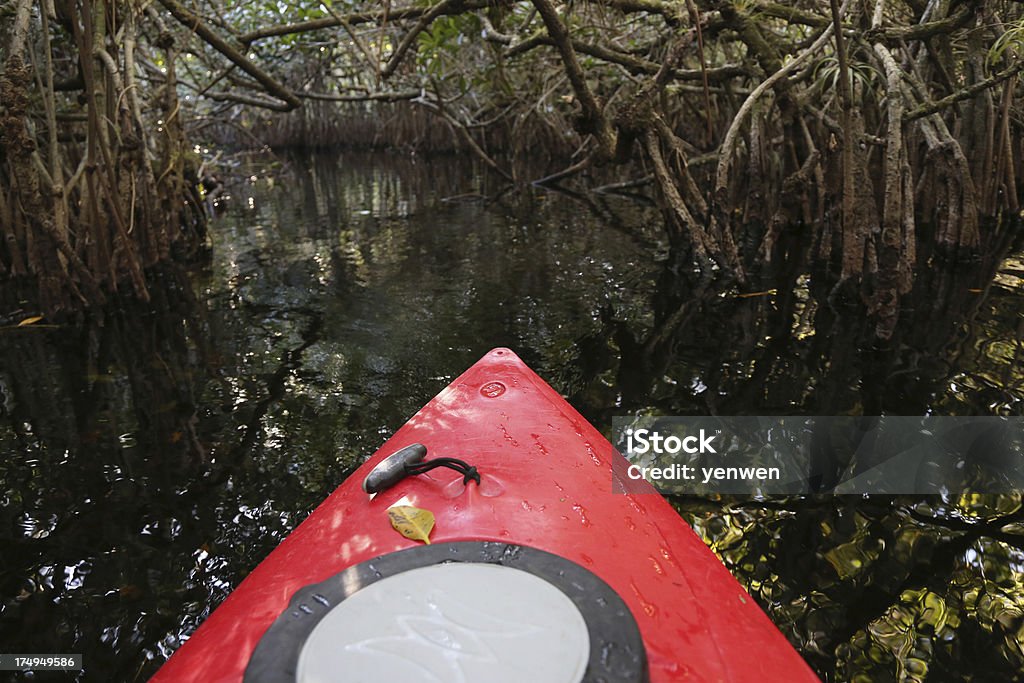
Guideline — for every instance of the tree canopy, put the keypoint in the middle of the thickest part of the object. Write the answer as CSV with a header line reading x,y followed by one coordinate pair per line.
x,y
890,126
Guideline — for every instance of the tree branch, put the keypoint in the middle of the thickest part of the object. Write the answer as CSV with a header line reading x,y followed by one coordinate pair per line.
x,y
194,24
354,19
970,91
732,135
401,96
594,120
443,7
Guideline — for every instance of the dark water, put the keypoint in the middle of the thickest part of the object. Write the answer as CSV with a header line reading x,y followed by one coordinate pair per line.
x,y
152,456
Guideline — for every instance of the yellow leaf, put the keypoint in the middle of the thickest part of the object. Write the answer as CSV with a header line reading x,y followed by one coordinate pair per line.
x,y
29,321
413,523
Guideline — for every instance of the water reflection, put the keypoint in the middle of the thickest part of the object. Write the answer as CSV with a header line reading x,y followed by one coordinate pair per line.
x,y
154,454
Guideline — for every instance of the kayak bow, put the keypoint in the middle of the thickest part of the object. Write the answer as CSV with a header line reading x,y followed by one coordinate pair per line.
x,y
545,554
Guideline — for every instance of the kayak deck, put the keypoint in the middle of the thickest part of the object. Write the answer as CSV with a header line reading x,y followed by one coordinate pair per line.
x,y
550,482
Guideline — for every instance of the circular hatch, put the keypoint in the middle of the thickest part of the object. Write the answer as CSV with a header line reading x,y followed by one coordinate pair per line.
x,y
470,612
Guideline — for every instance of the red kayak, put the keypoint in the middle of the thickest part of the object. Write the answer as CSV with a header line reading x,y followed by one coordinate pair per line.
x,y
538,567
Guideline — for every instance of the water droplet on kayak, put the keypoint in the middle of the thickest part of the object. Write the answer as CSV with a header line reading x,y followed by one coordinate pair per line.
x,y
582,512
657,565
587,559
492,389
511,553
637,506
650,609
630,524
509,437
526,506
305,609
321,599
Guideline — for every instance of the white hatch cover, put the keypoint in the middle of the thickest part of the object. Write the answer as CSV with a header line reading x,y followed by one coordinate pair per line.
x,y
457,622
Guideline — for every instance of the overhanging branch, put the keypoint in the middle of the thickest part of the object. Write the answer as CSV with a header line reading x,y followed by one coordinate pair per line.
x,y
193,23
